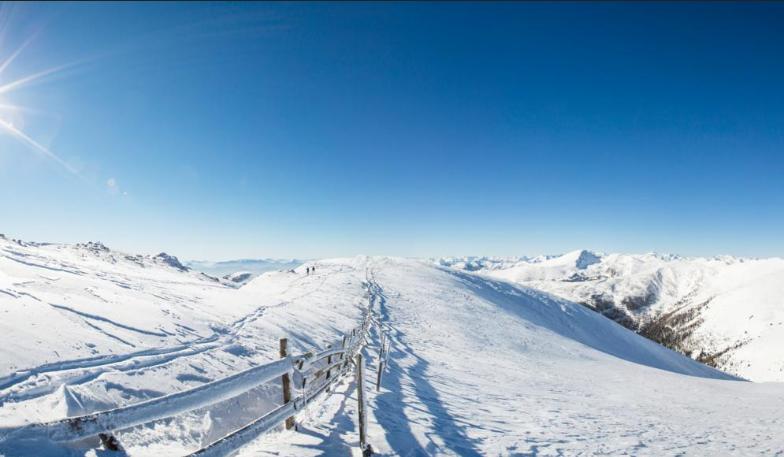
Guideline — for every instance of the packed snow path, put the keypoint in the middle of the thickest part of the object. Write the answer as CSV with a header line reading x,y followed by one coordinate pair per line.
x,y
477,367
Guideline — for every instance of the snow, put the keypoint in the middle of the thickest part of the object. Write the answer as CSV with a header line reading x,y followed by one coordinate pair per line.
x,y
480,367
136,329
477,366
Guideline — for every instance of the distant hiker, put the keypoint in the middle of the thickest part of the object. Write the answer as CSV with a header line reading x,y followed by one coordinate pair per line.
x,y
307,270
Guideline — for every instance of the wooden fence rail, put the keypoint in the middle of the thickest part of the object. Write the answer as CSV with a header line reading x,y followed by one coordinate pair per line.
x,y
79,427
235,440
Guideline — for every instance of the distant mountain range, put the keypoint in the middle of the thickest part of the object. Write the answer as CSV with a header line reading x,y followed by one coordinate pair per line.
x,y
253,266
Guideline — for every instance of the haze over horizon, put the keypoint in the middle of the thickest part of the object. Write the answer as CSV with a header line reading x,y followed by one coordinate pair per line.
x,y
227,131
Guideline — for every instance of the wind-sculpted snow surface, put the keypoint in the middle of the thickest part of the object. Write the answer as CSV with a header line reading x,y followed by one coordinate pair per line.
x,y
476,366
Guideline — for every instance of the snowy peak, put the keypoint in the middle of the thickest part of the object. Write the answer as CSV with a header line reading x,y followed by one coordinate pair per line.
x,y
580,259
93,246
170,260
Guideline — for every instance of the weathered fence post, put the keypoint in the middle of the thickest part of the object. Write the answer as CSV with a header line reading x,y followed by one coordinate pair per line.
x,y
361,400
378,378
329,363
380,364
284,342
329,370
351,343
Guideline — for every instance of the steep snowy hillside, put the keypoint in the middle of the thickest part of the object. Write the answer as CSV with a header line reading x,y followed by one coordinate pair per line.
x,y
724,311
477,366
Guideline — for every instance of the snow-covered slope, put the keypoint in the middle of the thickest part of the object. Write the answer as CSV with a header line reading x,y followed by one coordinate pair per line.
x,y
482,367
84,327
61,302
477,366
725,311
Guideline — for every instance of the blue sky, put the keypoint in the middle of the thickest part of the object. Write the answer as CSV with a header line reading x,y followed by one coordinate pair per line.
x,y
309,130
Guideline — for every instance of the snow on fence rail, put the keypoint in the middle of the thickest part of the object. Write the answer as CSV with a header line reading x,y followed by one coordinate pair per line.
x,y
104,423
243,436
75,428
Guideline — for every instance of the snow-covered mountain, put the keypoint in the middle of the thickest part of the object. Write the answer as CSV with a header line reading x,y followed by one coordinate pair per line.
x,y
477,366
724,311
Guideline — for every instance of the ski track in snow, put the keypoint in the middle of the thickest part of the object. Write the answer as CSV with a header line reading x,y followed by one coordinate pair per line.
x,y
45,267
82,371
106,320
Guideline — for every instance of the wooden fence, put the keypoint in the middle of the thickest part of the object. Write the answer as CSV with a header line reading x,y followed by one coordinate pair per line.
x,y
315,373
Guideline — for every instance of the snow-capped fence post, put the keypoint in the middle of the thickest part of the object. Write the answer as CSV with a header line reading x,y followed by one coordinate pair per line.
x,y
360,373
286,379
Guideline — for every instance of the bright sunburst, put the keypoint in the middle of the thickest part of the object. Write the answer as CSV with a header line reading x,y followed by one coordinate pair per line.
x,y
12,115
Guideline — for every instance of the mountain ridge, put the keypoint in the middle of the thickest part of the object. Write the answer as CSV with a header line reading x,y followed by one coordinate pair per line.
x,y
694,305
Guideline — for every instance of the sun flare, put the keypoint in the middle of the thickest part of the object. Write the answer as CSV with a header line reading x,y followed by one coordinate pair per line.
x,y
12,115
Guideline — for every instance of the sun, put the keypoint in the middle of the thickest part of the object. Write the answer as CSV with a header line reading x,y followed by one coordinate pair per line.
x,y
12,115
